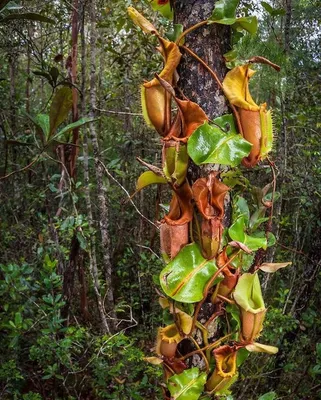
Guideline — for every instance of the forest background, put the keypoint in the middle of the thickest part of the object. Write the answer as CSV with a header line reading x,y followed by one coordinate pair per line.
x,y
79,260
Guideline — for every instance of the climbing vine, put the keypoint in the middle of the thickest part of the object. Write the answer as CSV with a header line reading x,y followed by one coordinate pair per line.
x,y
211,258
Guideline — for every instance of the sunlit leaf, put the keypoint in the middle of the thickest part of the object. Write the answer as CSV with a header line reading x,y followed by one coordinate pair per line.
x,y
185,277
249,24
141,21
237,233
209,144
224,12
188,385
148,178
72,126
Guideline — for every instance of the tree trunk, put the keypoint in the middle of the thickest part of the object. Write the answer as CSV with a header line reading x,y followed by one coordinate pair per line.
x,y
92,247
209,42
101,189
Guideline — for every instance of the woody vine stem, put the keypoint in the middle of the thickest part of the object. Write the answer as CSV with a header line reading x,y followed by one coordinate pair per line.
x,y
207,263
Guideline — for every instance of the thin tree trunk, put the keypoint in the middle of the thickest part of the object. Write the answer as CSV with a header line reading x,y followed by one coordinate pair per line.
x,y
92,249
209,43
101,189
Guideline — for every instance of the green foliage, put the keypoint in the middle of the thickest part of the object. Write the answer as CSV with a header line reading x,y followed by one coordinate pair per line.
x,y
184,278
188,385
209,144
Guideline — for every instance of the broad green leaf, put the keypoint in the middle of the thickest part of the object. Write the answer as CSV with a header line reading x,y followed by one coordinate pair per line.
x,y
248,293
241,208
42,120
188,385
249,24
242,355
268,396
60,108
164,7
224,12
230,56
27,16
271,239
184,278
174,34
235,314
210,145
226,123
70,127
237,233
148,178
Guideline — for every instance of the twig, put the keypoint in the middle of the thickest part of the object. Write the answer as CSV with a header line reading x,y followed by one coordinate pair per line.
x,y
190,29
119,112
128,195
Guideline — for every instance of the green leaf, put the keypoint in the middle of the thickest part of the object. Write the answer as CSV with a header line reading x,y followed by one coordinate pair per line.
x,y
237,232
184,278
271,240
268,396
70,127
210,145
267,7
174,34
235,314
242,355
188,385
149,178
29,17
249,24
240,207
82,241
42,121
44,74
273,11
224,12
226,123
163,7
230,55
60,107
18,319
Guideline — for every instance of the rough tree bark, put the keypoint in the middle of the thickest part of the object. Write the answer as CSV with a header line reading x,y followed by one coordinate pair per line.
x,y
209,42
101,189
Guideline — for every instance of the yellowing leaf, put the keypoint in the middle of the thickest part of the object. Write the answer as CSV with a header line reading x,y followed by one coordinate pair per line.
x,y
273,267
153,360
261,348
141,21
